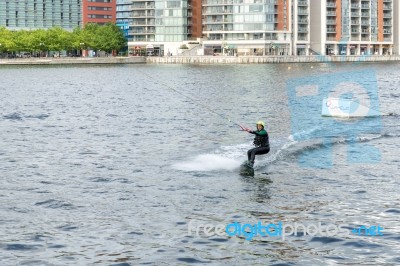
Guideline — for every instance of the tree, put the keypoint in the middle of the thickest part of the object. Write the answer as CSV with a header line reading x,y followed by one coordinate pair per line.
x,y
6,40
89,36
40,41
23,41
108,37
111,37
59,39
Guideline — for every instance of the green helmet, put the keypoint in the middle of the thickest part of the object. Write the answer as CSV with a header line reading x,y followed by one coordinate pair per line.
x,y
261,123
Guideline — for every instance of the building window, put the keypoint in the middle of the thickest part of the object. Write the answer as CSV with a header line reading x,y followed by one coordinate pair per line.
x,y
100,1
99,8
99,16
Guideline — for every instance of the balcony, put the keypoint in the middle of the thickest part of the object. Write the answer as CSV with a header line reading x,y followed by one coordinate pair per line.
x,y
137,15
331,4
214,21
217,2
330,30
272,37
302,37
331,13
355,14
355,22
302,12
137,23
141,32
213,29
302,3
303,29
134,7
302,21
215,37
365,31
123,2
387,31
218,11
331,22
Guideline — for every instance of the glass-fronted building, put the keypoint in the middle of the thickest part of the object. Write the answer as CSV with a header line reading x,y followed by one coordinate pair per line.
x,y
247,27
33,14
165,25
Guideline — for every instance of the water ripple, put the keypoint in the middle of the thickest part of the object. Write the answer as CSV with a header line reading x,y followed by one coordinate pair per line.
x,y
112,174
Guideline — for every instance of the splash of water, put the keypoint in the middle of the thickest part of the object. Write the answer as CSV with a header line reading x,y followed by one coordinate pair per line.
x,y
208,162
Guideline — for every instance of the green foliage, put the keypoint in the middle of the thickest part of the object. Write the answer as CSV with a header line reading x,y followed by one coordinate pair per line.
x,y
107,37
39,40
183,46
110,37
23,40
6,40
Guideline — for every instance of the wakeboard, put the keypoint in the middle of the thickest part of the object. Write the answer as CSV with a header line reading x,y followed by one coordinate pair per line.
x,y
246,169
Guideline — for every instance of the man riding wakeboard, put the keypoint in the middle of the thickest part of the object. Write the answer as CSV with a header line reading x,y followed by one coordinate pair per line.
x,y
261,142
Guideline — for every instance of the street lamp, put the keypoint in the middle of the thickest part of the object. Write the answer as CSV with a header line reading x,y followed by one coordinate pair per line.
x,y
41,48
82,44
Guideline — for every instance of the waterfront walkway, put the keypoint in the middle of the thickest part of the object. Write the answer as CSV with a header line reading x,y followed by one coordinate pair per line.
x,y
73,60
197,60
267,59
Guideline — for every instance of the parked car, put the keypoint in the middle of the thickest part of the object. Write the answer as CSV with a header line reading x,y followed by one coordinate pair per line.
x,y
24,55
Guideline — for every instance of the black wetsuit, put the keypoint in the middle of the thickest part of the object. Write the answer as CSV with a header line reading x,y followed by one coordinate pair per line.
x,y
261,141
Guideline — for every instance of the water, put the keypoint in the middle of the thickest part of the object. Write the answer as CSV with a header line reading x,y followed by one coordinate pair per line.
x,y
108,164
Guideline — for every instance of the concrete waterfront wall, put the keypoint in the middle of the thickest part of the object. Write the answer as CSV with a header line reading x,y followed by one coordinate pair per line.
x,y
266,59
73,60
195,60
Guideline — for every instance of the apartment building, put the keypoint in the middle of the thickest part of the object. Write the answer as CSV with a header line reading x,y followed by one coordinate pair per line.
x,y
301,27
396,27
264,27
247,27
160,26
33,14
98,11
352,27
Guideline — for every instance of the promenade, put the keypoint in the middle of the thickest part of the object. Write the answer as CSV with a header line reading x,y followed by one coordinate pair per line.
x,y
73,60
268,59
196,60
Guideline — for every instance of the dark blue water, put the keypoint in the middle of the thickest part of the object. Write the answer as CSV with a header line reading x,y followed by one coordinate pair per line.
x,y
108,165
